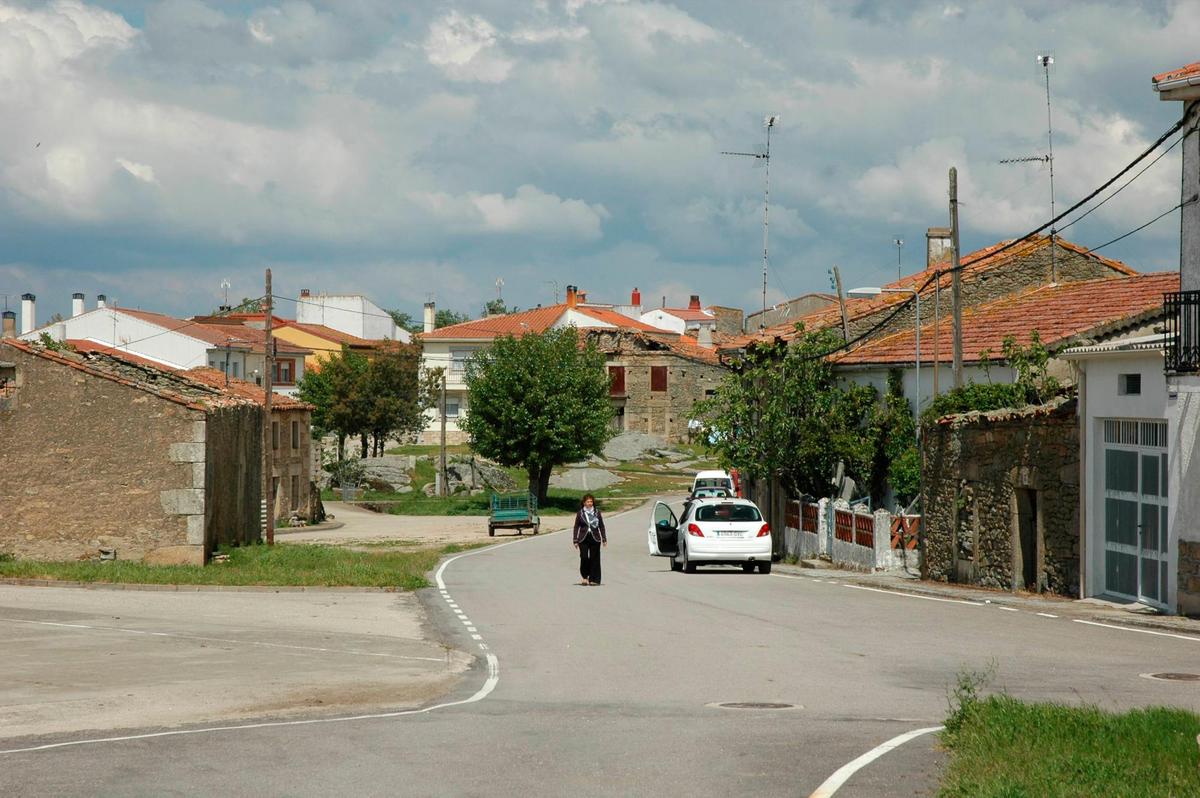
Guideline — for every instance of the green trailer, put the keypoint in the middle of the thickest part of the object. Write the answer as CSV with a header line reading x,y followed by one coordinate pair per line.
x,y
514,511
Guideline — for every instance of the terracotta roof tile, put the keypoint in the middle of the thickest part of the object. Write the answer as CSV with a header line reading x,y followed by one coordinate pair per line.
x,y
975,263
1176,74
243,389
531,321
689,314
1059,313
330,334
235,335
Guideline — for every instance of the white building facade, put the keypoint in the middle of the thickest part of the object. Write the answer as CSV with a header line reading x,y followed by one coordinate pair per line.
x,y
352,314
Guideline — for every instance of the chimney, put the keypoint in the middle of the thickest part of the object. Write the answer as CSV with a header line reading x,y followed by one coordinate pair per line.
x,y
937,245
304,292
430,318
704,336
580,296
572,298
76,304
635,298
101,301
28,313
694,302
10,325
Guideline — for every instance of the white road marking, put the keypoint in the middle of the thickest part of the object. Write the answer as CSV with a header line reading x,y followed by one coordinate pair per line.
x,y
914,595
1007,609
1142,631
832,784
1046,615
219,640
476,637
472,629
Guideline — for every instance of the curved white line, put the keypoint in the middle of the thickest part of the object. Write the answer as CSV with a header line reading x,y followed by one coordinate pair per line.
x,y
842,774
489,684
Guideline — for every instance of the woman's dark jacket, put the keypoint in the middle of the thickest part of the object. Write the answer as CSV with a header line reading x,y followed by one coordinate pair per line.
x,y
581,527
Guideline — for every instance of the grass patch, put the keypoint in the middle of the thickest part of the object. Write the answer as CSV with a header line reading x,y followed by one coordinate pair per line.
x,y
293,564
431,449
1004,748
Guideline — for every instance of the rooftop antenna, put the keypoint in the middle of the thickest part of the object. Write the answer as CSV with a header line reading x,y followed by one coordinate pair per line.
x,y
555,284
499,287
1045,61
225,288
764,158
899,242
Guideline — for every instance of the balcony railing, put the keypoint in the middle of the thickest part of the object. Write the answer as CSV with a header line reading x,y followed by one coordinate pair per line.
x,y
1182,310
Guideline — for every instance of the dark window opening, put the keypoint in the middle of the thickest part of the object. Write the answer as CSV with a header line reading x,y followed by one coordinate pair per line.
x,y
295,434
616,380
658,378
1129,384
274,434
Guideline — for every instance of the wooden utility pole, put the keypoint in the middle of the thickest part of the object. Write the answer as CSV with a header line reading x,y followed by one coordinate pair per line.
x,y
837,281
268,436
956,278
937,312
443,488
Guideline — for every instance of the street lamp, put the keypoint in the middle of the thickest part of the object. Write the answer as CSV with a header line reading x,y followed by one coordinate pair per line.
x,y
870,291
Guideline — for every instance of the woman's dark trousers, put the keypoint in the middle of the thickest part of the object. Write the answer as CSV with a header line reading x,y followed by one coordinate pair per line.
x,y
589,559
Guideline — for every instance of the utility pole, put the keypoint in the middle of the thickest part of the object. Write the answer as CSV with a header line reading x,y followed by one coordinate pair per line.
x,y
443,488
268,437
955,278
1046,61
937,311
841,295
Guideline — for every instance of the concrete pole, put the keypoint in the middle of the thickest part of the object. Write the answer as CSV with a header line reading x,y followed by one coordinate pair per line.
x,y
268,438
956,278
443,488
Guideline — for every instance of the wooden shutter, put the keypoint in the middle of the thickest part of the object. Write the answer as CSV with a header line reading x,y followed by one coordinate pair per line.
x,y
658,378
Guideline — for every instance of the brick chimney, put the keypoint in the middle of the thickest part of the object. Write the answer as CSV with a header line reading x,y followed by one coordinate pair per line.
x,y
430,317
635,298
28,313
101,301
10,325
938,245
694,302
572,296
304,292
76,304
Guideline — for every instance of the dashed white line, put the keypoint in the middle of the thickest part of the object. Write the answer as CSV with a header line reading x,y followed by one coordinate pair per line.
x,y
1140,631
1007,609
842,774
914,595
476,637
1046,615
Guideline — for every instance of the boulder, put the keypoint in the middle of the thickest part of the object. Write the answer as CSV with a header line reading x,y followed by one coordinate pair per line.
x,y
584,479
388,473
631,445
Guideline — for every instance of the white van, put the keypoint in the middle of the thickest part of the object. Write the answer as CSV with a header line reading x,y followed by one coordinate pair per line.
x,y
714,479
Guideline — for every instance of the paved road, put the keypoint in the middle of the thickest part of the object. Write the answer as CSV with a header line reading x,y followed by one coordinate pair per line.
x,y
611,690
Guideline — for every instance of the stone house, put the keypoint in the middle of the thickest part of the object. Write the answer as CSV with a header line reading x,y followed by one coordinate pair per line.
x,y
1001,499
654,382
449,348
294,459
102,452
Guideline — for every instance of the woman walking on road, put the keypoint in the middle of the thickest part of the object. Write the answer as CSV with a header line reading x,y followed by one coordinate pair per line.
x,y
589,536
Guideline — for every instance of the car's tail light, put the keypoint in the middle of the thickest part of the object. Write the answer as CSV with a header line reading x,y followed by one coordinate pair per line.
x,y
694,530
766,530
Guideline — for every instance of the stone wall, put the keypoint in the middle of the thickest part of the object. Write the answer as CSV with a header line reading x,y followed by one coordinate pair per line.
x,y
233,473
980,470
663,413
293,458
87,463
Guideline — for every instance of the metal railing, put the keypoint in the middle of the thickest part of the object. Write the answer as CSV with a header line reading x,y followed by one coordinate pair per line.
x,y
1182,309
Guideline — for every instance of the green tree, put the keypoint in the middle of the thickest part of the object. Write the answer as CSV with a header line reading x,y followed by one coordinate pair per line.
x,y
405,321
538,401
782,414
339,392
896,461
496,307
397,392
446,318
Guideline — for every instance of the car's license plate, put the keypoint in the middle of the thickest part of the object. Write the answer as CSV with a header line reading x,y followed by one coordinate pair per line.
x,y
729,533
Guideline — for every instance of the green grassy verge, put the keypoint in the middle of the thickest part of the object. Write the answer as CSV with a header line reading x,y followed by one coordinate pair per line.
x,y
255,565
1004,748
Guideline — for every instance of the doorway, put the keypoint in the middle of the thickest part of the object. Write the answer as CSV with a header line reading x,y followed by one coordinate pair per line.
x,y
1027,538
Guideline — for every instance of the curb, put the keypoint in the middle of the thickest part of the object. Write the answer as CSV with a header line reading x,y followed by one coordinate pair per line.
x,y
197,588
314,528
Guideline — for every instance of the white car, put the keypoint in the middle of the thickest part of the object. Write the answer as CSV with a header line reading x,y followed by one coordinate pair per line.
x,y
713,479
712,531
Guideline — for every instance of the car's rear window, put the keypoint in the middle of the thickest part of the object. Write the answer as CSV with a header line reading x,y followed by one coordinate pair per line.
x,y
713,482
728,512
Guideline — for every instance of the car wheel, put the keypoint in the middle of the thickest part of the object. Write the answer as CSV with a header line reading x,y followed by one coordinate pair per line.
x,y
748,567
764,567
689,567
676,565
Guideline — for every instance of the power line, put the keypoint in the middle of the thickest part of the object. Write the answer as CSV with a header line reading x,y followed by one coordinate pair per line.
x,y
191,323
1186,202
903,304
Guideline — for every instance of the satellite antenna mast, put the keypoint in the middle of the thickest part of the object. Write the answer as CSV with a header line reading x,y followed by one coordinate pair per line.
x,y
225,288
1045,61
764,158
499,287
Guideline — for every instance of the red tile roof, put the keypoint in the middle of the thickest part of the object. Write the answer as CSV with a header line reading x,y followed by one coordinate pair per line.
x,y
243,389
329,334
974,264
1175,74
237,336
167,384
689,314
1060,313
531,321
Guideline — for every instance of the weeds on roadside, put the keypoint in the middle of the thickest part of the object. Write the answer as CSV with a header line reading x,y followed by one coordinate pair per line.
x,y
964,697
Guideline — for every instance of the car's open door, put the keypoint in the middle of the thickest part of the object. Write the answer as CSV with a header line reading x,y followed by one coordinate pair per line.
x,y
663,534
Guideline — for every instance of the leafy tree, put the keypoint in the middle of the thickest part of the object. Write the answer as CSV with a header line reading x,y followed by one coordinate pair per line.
x,y
248,305
782,414
314,387
1033,384
339,392
397,392
405,321
538,401
496,307
446,318
896,461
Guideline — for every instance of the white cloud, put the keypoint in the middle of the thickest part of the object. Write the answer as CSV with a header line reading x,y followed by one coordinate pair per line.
x,y
528,211
465,48
141,171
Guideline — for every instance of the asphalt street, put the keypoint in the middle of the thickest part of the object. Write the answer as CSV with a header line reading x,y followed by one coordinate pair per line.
x,y
615,690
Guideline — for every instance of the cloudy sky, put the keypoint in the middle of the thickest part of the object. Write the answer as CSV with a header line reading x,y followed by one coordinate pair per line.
x,y
150,150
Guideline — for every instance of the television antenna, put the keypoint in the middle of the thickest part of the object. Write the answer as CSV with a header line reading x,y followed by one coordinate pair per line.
x,y
225,287
499,287
899,242
763,158
1045,61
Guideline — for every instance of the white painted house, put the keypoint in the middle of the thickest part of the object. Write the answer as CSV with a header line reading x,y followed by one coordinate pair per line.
x,y
352,314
